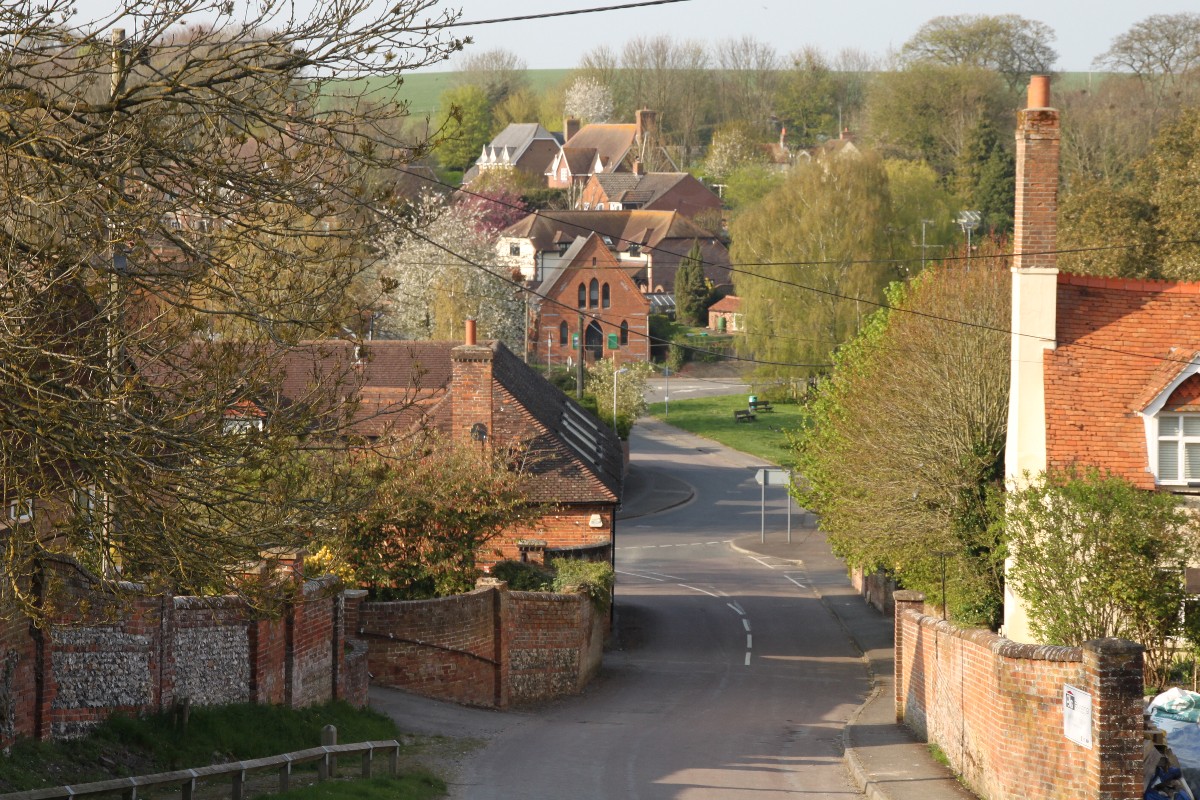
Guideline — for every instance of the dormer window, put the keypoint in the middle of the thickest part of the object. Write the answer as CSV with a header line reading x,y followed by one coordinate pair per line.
x,y
635,250
1179,448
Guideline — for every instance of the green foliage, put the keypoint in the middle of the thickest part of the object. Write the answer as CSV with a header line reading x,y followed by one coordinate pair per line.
x,y
807,248
523,577
807,100
663,331
411,786
906,435
1093,556
465,123
1008,44
921,204
712,418
733,146
158,743
750,183
987,177
595,578
1099,214
691,291
429,512
631,389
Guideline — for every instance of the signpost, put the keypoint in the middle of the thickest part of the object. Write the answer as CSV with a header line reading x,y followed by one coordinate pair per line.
x,y
774,477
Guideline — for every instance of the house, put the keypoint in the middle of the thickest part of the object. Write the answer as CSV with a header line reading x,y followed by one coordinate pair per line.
x,y
588,306
648,244
1105,371
526,147
654,191
725,315
600,148
482,393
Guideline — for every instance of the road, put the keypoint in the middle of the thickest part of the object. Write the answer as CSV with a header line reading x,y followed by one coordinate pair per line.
x,y
658,388
731,679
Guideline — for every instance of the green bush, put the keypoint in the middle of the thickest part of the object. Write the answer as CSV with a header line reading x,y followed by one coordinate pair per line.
x,y
523,577
595,578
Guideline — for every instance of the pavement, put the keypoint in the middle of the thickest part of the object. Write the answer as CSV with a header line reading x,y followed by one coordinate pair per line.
x,y
884,758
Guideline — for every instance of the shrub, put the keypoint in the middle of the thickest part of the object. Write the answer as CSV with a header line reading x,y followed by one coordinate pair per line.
x,y
523,577
595,578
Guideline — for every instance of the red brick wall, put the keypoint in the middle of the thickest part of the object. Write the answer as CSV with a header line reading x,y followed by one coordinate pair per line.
x,y
1035,235
995,708
563,527
491,647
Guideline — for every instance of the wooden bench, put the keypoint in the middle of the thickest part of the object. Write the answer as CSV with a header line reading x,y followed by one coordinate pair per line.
x,y
743,416
761,405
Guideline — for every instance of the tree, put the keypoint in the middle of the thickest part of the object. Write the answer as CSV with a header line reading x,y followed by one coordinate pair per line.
x,y
631,391
436,271
747,79
498,73
733,147
808,251
806,103
179,209
1011,45
1094,216
987,177
431,507
906,435
691,292
1160,50
465,125
589,100
1095,557
923,213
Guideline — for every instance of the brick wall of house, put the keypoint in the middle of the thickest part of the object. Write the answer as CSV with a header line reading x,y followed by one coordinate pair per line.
x,y
565,527
490,647
135,653
995,708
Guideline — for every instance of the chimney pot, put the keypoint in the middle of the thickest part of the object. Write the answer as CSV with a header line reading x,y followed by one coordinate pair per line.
x,y
470,331
1038,95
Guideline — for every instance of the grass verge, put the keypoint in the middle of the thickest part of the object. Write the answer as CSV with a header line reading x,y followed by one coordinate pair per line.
x,y
413,786
124,746
712,418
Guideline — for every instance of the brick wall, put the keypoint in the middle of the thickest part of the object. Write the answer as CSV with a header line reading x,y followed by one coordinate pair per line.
x,y
136,653
995,708
490,647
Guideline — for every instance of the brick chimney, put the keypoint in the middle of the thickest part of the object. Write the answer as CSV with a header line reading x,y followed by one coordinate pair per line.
x,y
1034,303
570,128
638,167
647,123
471,389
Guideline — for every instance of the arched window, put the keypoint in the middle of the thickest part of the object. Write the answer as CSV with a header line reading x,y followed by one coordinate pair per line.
x,y
563,334
594,293
605,297
624,332
582,296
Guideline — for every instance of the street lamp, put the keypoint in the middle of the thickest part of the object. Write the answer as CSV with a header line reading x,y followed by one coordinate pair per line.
x,y
616,372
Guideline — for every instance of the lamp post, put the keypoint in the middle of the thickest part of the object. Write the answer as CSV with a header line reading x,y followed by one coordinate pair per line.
x,y
616,372
969,221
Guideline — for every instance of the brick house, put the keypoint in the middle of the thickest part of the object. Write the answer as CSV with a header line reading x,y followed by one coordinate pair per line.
x,y
482,393
654,191
649,245
601,148
725,315
1105,371
586,301
526,147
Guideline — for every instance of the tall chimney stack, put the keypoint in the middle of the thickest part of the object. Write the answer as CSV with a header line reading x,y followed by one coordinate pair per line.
x,y
570,128
1036,214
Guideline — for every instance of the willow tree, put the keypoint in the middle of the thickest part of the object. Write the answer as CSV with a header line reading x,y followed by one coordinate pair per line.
x,y
809,253
177,209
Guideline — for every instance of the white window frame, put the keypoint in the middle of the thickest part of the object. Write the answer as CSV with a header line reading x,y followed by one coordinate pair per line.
x,y
15,514
1151,415
238,426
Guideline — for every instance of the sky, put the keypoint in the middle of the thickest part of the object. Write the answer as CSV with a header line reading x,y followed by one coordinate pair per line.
x,y
1084,29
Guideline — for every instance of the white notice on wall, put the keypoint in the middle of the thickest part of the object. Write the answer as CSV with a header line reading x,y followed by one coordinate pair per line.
x,y
1077,715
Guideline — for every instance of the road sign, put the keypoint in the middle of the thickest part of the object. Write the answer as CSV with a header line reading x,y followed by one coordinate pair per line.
x,y
773,477
614,342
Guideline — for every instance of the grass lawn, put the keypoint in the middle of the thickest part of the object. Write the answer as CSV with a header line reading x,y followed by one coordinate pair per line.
x,y
712,418
413,786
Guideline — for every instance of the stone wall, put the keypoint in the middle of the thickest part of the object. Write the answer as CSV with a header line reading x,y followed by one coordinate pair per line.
x,y
490,647
136,653
995,708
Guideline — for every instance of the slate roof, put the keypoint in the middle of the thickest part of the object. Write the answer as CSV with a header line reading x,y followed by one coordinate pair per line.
x,y
650,228
610,141
1121,343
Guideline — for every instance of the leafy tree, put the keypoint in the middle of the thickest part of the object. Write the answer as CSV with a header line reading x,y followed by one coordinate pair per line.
x,y
520,106
499,73
1160,50
1099,145
589,100
733,146
631,391
807,100
178,210
808,251
432,507
1094,557
1010,45
987,177
1096,215
428,278
465,123
747,78
906,435
927,111
691,292
750,183
923,213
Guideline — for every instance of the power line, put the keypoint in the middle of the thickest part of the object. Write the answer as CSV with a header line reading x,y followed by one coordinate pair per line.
x,y
550,14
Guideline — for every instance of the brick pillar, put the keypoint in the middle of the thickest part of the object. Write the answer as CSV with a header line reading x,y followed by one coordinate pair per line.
x,y
904,600
501,638
1113,671
1036,212
471,392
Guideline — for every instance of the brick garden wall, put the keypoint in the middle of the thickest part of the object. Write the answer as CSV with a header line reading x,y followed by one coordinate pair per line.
x,y
139,653
995,708
490,647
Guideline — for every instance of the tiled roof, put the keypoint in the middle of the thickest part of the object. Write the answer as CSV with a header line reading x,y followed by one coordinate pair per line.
x,y
643,227
580,159
610,141
1120,344
731,303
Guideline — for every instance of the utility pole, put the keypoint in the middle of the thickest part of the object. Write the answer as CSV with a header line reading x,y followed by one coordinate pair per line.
x,y
579,362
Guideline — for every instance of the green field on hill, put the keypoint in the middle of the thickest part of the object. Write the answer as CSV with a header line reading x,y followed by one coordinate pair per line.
x,y
422,90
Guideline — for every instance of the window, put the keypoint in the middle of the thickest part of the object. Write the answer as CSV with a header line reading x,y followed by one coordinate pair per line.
x,y
588,207
20,510
624,332
1178,448
594,293
237,425
582,296
563,333
514,249
635,250
605,297
599,206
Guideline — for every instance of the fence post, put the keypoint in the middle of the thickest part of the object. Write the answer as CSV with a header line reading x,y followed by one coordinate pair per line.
x,y
285,775
328,765
367,757
239,785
